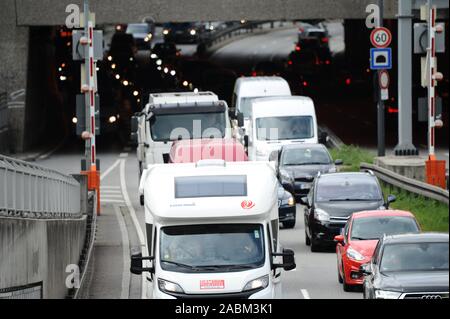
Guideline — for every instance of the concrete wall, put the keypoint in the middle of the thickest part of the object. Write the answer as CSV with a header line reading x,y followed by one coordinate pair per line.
x,y
39,250
52,12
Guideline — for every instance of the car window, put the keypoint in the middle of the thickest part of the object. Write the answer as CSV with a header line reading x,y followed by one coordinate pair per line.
x,y
375,227
305,156
338,187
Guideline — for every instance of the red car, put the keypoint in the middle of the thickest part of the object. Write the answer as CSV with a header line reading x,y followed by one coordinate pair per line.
x,y
191,151
360,237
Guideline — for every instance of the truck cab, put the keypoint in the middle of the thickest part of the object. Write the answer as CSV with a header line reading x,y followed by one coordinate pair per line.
x,y
170,117
279,121
212,231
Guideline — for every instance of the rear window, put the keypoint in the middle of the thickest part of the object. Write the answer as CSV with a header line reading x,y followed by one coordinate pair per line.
x,y
210,186
339,187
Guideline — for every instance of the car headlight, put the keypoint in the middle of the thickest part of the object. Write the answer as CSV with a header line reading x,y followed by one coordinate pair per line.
x,y
261,152
355,255
385,294
285,176
290,201
167,286
112,119
332,170
165,31
193,32
321,215
260,283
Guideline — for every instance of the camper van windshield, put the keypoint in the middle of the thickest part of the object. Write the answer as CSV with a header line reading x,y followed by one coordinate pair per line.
x,y
170,127
284,128
210,186
209,248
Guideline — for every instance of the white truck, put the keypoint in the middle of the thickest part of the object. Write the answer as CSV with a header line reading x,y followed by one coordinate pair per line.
x,y
174,116
278,121
212,231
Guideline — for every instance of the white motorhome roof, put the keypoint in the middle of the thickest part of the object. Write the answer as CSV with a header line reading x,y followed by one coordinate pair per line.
x,y
258,204
282,106
262,86
182,97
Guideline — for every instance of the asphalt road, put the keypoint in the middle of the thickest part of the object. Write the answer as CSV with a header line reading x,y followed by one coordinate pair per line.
x,y
315,276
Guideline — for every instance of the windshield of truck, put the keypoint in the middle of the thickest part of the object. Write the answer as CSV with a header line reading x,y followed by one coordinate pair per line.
x,y
245,106
171,127
212,248
284,128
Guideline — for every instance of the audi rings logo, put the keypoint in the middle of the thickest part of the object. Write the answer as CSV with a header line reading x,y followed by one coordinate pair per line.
x,y
431,297
247,204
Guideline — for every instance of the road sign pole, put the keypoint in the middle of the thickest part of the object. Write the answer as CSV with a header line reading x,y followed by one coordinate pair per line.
x,y
380,103
431,81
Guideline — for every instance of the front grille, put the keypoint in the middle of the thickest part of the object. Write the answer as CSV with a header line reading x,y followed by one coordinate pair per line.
x,y
338,220
427,295
305,179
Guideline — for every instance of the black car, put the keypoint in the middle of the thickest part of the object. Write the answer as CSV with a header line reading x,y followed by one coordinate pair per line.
x,y
166,50
299,164
333,198
287,211
412,266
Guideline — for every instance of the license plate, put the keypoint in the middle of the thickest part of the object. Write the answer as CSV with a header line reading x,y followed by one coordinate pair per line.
x,y
305,186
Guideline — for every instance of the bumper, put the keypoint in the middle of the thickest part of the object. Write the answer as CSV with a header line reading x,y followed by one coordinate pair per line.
x,y
324,233
267,293
286,213
351,270
302,189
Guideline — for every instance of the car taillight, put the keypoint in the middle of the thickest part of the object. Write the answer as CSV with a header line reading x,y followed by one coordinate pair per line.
x,y
254,73
392,110
348,81
305,83
290,62
297,48
327,62
325,40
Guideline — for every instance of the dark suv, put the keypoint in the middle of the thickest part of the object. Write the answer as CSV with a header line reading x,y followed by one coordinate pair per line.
x,y
412,266
331,201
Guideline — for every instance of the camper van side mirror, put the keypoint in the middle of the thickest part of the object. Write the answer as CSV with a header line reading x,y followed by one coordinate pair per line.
x,y
246,140
288,260
134,124
240,119
323,138
136,263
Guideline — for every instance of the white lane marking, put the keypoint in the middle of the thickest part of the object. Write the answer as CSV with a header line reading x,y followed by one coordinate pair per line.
x,y
106,187
138,228
126,277
111,196
110,169
111,191
123,155
305,294
113,201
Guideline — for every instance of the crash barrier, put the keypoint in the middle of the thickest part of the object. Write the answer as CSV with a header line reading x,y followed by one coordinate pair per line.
x,y
46,235
32,191
235,29
4,123
408,184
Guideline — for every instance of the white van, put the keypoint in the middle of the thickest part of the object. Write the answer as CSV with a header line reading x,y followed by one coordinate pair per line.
x,y
173,116
279,121
248,88
212,231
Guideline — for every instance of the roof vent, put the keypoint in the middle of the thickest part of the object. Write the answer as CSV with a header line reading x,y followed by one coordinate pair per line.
x,y
211,162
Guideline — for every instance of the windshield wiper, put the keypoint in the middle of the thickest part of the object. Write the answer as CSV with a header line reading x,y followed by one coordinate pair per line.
x,y
181,265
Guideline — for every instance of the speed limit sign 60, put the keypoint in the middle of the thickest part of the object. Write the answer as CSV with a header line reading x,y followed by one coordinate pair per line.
x,y
381,37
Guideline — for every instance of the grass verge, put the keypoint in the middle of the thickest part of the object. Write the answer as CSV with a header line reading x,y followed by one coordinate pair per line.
x,y
432,215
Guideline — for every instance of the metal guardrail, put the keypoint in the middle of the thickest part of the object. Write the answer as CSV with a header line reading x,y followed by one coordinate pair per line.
x,y
32,191
408,184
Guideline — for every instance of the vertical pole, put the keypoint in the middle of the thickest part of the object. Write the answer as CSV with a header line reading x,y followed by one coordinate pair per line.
x,y
405,145
86,68
380,105
431,82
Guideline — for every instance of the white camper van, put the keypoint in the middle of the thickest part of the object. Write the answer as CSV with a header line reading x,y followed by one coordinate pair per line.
x,y
212,231
174,116
248,88
279,121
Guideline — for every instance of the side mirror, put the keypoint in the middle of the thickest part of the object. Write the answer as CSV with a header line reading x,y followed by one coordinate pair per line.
x,y
390,199
134,124
246,140
273,157
323,138
136,263
288,260
365,269
134,138
338,162
240,119
339,239
304,201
